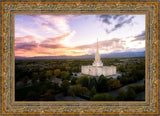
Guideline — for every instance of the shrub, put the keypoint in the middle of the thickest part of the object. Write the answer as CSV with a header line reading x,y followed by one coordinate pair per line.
x,y
102,97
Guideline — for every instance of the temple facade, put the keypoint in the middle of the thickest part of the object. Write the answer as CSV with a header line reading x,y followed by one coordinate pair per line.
x,y
97,68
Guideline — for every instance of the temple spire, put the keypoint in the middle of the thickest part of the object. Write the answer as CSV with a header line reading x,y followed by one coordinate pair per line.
x,y
97,61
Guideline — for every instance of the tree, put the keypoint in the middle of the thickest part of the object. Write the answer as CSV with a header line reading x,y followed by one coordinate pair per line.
x,y
49,95
121,95
102,97
55,86
65,75
121,68
75,90
137,88
78,90
65,86
57,72
114,83
83,90
80,79
85,82
92,92
48,73
102,84
130,94
34,78
42,76
92,83
73,81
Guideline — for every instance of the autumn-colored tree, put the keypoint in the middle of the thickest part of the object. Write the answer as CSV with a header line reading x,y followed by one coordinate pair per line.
x,y
57,72
78,90
114,83
48,73
75,90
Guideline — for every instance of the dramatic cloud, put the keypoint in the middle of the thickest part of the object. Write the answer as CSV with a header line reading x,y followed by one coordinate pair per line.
x,y
106,18
106,45
53,46
120,20
140,37
26,46
26,43
56,39
55,42
119,25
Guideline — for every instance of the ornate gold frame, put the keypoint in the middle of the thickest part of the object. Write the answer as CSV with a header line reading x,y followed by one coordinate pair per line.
x,y
149,106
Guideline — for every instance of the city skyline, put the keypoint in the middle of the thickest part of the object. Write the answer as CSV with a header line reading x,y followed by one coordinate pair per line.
x,y
75,35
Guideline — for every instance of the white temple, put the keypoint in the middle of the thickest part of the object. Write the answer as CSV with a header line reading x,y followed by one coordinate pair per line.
x,y
97,68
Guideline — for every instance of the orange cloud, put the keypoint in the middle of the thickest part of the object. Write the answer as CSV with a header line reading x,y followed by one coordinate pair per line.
x,y
27,46
54,40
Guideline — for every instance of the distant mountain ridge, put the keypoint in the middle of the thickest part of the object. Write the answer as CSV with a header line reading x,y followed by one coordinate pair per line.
x,y
110,55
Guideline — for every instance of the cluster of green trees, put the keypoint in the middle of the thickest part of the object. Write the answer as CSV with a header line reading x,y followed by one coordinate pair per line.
x,y
88,86
102,84
40,92
41,76
78,90
131,72
131,93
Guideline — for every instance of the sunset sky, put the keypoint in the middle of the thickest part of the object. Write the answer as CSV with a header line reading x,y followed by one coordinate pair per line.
x,y
75,35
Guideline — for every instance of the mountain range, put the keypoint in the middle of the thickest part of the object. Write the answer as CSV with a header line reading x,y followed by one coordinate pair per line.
x,y
110,55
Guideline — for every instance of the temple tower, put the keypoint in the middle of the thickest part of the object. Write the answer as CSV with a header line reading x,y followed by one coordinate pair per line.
x,y
97,61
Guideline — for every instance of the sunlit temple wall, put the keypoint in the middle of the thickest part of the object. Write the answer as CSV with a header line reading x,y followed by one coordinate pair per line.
x,y
97,71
